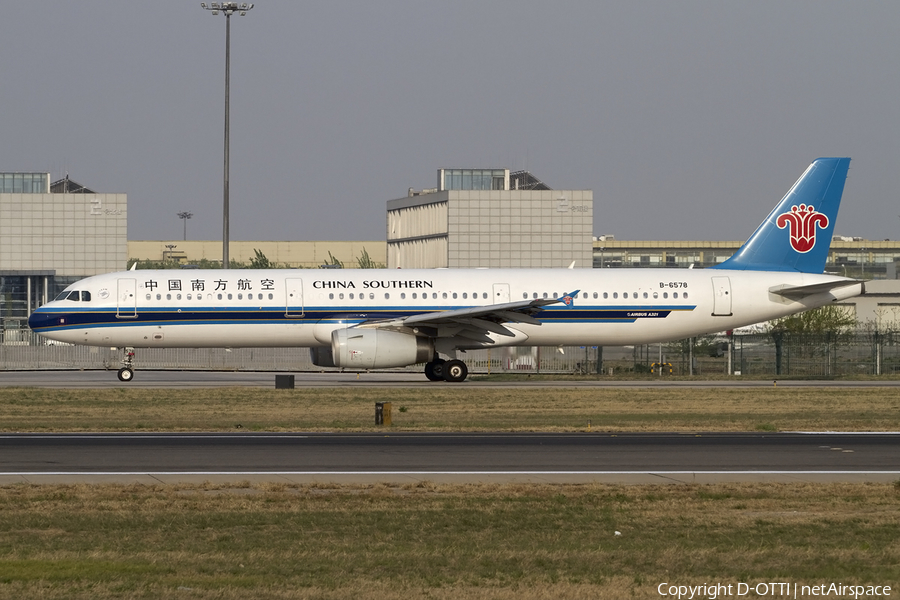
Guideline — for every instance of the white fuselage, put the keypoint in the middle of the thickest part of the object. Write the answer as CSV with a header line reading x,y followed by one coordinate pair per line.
x,y
301,308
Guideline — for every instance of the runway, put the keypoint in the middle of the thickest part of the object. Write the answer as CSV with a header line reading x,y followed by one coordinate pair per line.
x,y
440,457
395,379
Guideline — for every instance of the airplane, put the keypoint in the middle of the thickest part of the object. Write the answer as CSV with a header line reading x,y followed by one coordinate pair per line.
x,y
360,319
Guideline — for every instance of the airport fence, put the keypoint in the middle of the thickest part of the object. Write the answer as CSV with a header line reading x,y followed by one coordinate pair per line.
x,y
756,355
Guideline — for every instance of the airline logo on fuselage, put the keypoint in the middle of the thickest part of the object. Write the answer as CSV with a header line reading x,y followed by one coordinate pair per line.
x,y
373,284
802,222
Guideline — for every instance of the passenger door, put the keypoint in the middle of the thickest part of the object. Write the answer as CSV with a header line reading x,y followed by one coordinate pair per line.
x,y
721,297
126,299
294,300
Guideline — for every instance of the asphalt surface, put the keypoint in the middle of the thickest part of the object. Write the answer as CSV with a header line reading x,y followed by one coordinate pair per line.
x,y
195,379
439,457
443,457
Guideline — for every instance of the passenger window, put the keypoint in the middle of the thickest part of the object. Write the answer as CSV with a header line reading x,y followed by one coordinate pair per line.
x,y
646,295
371,295
454,295
159,296
684,295
615,294
219,296
229,296
595,295
331,296
484,295
188,296
534,295
351,295
525,295
148,296
665,294
675,295
270,295
434,295
465,295
584,295
414,296
341,296
655,295
403,295
605,295
387,296
545,295
240,296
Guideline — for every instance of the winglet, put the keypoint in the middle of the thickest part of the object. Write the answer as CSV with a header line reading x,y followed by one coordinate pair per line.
x,y
568,299
796,236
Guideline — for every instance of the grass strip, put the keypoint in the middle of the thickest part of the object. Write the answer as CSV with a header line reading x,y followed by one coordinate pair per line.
x,y
438,541
452,408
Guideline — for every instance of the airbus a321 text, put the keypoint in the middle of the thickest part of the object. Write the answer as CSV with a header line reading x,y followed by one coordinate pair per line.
x,y
372,319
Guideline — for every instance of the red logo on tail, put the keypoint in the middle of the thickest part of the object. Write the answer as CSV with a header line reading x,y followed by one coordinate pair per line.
x,y
802,222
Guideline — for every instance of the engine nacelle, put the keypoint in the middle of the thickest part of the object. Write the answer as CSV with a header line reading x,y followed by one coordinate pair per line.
x,y
321,357
376,348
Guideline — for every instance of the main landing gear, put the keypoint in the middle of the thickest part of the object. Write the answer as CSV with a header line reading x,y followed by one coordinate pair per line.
x,y
126,373
453,371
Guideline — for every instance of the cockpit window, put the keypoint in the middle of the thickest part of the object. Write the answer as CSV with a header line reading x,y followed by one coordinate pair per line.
x,y
74,296
85,296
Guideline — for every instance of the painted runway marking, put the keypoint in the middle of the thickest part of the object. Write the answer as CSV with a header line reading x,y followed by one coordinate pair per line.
x,y
199,473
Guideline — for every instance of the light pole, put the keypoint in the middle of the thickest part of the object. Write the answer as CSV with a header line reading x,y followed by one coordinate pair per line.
x,y
184,216
227,8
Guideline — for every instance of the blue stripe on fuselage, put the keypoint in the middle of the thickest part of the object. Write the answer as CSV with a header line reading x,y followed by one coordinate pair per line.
x,y
53,319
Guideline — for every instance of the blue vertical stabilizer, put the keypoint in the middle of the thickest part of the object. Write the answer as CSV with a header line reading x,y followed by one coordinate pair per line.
x,y
797,234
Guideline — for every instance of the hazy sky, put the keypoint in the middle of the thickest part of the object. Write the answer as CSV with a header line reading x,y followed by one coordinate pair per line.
x,y
687,119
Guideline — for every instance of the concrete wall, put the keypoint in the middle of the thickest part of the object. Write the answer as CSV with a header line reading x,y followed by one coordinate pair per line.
x,y
496,229
72,234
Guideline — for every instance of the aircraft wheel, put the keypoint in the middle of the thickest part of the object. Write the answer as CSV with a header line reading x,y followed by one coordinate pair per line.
x,y
126,374
455,371
434,372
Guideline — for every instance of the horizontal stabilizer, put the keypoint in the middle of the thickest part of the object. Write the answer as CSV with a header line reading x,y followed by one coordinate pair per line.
x,y
795,292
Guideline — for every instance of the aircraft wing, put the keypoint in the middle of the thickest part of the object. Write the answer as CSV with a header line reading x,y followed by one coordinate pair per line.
x,y
795,292
476,322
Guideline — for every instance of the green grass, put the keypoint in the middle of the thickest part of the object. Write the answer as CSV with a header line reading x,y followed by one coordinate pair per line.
x,y
452,408
492,541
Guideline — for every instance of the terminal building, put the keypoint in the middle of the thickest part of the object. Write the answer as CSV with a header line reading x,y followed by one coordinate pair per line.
x,y
490,218
51,234
54,233
848,257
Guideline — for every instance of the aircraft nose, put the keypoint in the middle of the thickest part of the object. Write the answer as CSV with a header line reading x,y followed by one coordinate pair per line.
x,y
40,319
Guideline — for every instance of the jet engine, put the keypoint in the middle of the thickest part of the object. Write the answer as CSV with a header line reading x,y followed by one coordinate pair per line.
x,y
377,348
321,357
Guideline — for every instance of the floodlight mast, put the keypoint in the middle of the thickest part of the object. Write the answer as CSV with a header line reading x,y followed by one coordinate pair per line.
x,y
184,216
227,9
